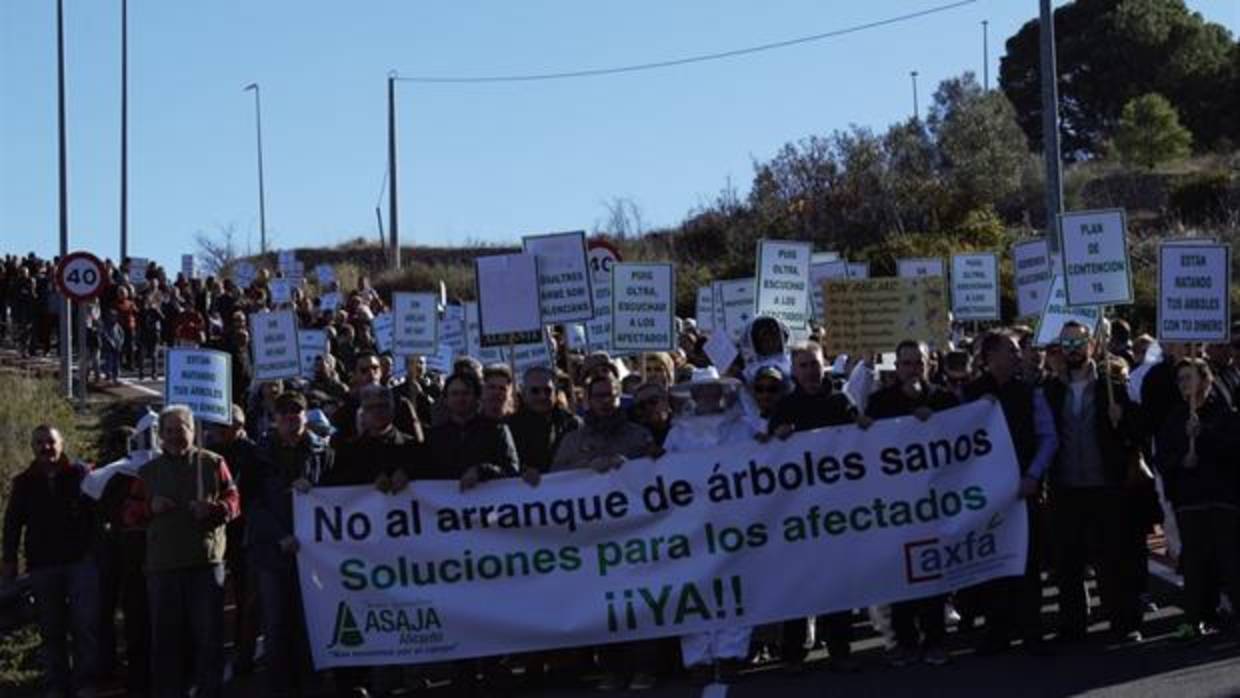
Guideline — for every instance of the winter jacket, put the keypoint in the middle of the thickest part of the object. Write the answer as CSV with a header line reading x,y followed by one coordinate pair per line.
x,y
47,505
270,516
1215,481
614,435
455,448
536,436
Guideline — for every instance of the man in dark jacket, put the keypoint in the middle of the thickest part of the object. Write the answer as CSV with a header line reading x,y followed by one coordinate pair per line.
x,y
291,458
467,446
367,371
539,424
914,395
46,504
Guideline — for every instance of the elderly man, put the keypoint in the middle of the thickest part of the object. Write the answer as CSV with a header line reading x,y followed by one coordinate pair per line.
x,y
540,424
186,496
47,505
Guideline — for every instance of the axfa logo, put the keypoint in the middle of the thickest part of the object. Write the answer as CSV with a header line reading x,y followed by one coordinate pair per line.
x,y
933,558
346,632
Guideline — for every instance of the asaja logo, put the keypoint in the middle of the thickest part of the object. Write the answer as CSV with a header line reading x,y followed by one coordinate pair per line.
x,y
346,632
933,558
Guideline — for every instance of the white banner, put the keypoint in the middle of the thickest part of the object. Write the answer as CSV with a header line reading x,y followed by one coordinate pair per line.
x,y
1095,257
311,344
643,306
919,267
1031,264
1057,313
783,281
742,534
564,287
415,324
202,380
273,336
1194,300
975,286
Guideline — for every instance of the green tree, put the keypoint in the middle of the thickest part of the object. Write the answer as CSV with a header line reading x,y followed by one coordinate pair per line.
x,y
1150,132
1111,51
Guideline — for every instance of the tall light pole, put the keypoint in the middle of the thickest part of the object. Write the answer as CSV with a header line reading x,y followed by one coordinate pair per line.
x,y
986,55
262,196
916,111
66,331
393,225
1050,130
124,131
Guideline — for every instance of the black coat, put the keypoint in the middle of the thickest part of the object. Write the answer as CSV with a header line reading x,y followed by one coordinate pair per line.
x,y
455,448
537,436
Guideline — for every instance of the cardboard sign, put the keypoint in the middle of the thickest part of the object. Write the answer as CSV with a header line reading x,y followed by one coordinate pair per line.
x,y
1194,299
326,274
202,380
643,306
509,311
870,316
296,273
1056,313
243,274
564,279
820,272
311,344
721,350
526,356
1095,257
1031,262
188,268
137,271
273,336
975,286
281,291
783,282
286,259
382,326
473,335
705,312
452,330
737,299
919,267
415,324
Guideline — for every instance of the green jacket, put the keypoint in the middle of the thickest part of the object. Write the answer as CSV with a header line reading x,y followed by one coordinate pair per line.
x,y
176,539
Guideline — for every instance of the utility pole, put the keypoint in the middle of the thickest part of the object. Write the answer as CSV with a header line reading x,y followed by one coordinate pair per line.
x,y
916,111
393,226
66,327
262,195
986,55
124,131
1050,132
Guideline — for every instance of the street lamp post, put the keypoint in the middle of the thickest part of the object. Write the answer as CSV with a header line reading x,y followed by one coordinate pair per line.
x,y
66,328
393,224
262,197
916,111
124,131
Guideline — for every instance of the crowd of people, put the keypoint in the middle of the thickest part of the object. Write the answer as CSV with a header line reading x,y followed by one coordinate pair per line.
x,y
1114,435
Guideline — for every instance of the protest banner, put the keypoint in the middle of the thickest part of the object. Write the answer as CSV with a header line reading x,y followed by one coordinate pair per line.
x,y
1194,299
311,344
564,279
273,337
738,534
705,309
415,323
918,267
383,326
782,290
200,379
820,272
1031,263
1057,312
736,297
865,316
473,335
509,311
975,286
1095,257
643,306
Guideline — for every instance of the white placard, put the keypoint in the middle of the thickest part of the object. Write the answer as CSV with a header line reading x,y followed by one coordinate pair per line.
x,y
643,306
1095,257
526,356
202,380
575,338
716,292
1194,303
311,344
737,298
281,290
286,259
473,333
243,274
721,350
1031,264
415,324
820,272
326,274
382,327
564,280
188,268
452,330
783,282
508,306
1057,312
975,286
919,267
137,270
296,273
705,309
821,257
273,336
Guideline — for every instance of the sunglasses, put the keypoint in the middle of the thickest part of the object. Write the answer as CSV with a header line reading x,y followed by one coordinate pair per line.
x,y
1074,343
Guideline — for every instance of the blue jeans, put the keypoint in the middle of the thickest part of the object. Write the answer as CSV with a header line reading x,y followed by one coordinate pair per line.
x,y
67,601
187,608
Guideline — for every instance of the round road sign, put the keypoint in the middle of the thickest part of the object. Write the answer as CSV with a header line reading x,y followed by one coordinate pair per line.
x,y
602,255
81,276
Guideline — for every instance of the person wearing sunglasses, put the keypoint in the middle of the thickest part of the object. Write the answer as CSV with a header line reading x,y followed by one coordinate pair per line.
x,y
1098,440
539,424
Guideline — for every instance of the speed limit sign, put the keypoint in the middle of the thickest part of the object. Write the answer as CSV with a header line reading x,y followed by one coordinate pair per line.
x,y
602,255
81,276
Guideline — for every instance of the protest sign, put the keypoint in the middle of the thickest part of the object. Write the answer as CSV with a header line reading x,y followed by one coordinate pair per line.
x,y
137,271
473,335
509,311
733,535
1057,312
721,351
243,274
286,259
296,273
1031,262
783,282
311,344
326,274
1194,299
858,270
820,257
1095,257
526,356
602,256
917,267
452,329
281,290
188,268
201,379
564,280
705,311
866,316
383,326
643,306
737,299
716,301
415,322
329,302
820,272
273,336
975,286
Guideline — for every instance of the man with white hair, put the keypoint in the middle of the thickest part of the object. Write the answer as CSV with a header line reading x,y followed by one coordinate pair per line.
x,y
186,497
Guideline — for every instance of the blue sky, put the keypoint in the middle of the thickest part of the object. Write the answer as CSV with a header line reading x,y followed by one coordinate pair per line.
x,y
478,162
